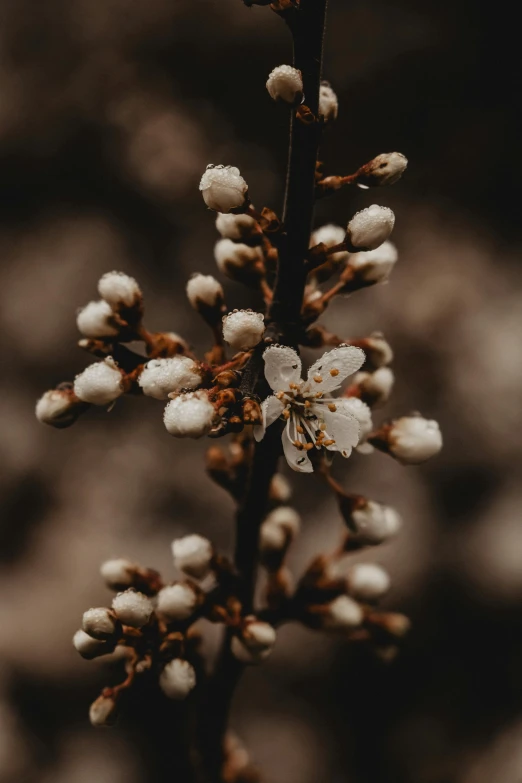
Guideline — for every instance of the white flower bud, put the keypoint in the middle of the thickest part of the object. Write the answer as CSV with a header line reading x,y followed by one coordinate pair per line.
x,y
378,350
375,523
272,538
103,711
160,377
206,290
413,439
223,188
256,642
193,555
343,613
132,608
285,84
99,623
286,518
370,227
375,266
328,103
361,411
177,679
243,329
236,260
189,415
177,602
376,387
57,408
385,169
119,289
280,489
236,227
331,235
96,319
118,573
100,383
90,648
368,581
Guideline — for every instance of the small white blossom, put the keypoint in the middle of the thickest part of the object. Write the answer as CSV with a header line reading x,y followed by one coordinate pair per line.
x,y
223,188
132,608
343,613
328,103
119,289
279,528
375,266
161,377
280,489
55,407
99,623
368,581
177,679
90,648
331,235
177,602
189,415
375,523
362,413
96,320
376,386
243,329
413,439
378,349
312,417
234,258
236,227
103,711
286,84
206,290
385,169
256,642
193,555
286,518
118,573
100,383
370,227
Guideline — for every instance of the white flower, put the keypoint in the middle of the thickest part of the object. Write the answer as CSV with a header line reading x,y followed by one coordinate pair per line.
x,y
189,415
285,84
100,383
343,613
177,679
177,602
96,320
206,290
223,188
236,227
119,289
236,259
370,227
132,608
99,623
385,169
328,103
312,417
331,235
378,349
363,414
376,387
160,377
374,523
376,265
56,408
243,329
193,555
118,573
368,581
102,711
413,439
280,489
279,528
256,642
90,648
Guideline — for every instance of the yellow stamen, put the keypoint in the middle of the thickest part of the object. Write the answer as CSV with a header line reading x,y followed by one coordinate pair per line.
x,y
318,378
332,407
334,372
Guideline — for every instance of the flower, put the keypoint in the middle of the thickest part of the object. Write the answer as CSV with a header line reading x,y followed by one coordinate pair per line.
x,y
370,227
328,103
99,623
243,329
368,581
204,290
285,84
100,383
96,320
312,417
343,614
57,407
119,289
236,227
160,377
193,555
132,608
330,235
189,415
255,642
103,711
223,188
375,266
177,679
177,602
385,169
414,439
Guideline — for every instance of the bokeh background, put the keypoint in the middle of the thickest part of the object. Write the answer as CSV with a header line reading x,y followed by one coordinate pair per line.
x,y
109,112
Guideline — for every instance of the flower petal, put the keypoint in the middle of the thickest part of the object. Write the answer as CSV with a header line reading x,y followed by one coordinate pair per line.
x,y
296,458
328,372
342,427
282,367
271,408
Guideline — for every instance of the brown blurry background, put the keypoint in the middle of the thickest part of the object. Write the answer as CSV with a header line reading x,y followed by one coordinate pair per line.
x,y
109,112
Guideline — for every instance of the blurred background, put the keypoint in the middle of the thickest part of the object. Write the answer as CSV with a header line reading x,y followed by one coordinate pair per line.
x,y
109,112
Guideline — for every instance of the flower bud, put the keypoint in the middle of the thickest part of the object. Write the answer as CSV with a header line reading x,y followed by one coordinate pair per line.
x,y
239,262
189,415
97,319
385,169
328,103
368,581
285,84
359,409
370,227
103,711
243,329
100,383
375,266
177,679
206,295
378,350
255,643
330,236
223,188
342,614
413,439
177,602
237,227
119,290
280,489
90,648
376,387
161,377
132,608
193,555
372,523
286,518
118,573
99,623
59,407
